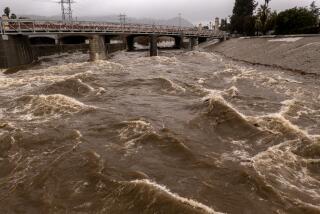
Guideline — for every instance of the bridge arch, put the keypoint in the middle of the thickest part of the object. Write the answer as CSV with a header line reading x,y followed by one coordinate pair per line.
x,y
73,39
142,42
167,41
42,40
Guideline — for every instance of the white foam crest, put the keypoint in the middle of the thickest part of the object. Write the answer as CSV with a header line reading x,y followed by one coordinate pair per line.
x,y
101,91
237,156
276,121
201,80
187,201
287,172
86,85
34,106
108,65
168,85
202,54
287,105
82,75
161,60
7,82
216,96
232,91
175,86
64,67
133,132
78,84
165,60
133,128
244,73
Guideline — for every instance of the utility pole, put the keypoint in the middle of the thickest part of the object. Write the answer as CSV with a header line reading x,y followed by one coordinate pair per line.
x,y
180,21
66,9
122,19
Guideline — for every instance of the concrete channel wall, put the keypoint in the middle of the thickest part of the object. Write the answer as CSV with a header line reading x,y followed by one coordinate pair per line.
x,y
15,51
299,53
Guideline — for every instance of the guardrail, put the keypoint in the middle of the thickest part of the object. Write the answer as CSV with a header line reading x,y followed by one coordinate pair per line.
x,y
26,26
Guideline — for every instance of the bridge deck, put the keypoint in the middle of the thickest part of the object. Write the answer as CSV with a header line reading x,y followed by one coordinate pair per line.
x,y
21,26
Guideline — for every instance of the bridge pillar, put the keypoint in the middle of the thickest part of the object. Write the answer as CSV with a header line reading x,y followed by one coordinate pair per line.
x,y
202,40
107,39
130,43
153,45
15,51
192,43
178,42
97,48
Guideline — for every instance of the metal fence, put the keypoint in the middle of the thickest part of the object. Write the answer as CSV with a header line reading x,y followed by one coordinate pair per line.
x,y
26,26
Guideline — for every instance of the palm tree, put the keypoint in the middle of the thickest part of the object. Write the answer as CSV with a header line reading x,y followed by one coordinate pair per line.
x,y
263,14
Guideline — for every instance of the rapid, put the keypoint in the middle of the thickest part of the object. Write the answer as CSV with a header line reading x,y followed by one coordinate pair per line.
x,y
184,132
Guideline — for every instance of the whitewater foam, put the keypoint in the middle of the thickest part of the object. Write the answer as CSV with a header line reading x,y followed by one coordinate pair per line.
x,y
35,106
287,173
189,202
216,96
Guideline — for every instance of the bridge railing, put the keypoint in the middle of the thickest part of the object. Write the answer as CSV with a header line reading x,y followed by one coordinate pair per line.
x,y
26,26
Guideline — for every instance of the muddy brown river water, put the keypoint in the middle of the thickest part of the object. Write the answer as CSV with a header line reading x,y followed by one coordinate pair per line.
x,y
185,132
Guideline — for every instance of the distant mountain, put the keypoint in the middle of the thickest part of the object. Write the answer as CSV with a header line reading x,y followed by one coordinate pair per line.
x,y
114,18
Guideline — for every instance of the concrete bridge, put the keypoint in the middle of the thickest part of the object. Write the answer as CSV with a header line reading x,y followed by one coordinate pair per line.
x,y
18,35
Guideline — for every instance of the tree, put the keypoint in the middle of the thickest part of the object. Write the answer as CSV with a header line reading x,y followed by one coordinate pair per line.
x,y
13,16
7,11
224,26
271,22
258,26
295,21
242,20
263,14
315,10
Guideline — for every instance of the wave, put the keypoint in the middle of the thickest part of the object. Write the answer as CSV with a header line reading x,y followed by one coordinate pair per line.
x,y
203,55
310,150
158,84
39,106
288,174
168,85
138,134
145,196
162,60
157,194
279,125
222,118
231,92
69,87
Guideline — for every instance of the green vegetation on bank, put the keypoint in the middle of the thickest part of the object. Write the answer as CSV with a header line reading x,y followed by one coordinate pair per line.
x,y
250,19
7,13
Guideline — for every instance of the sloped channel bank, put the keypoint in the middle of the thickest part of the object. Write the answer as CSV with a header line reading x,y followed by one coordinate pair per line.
x,y
300,54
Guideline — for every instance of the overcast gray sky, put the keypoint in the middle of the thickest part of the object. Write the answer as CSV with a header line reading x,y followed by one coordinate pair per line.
x,y
193,10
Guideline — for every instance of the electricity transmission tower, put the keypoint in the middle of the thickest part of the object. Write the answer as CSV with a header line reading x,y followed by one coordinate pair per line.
x,y
66,9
